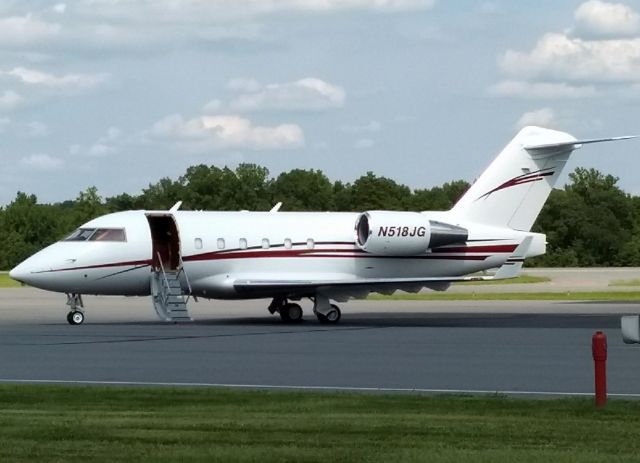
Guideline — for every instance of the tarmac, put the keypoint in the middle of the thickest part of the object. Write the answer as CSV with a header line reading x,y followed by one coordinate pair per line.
x,y
516,347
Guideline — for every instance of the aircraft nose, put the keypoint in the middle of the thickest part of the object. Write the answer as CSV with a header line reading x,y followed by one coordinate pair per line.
x,y
22,272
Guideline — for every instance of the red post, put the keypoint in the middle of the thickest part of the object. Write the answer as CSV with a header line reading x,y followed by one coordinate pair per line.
x,y
599,351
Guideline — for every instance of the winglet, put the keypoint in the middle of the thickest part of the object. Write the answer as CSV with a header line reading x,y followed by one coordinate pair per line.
x,y
552,148
513,266
176,206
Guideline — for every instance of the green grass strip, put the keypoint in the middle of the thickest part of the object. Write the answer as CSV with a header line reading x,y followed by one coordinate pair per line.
x,y
6,282
522,279
630,296
634,282
80,424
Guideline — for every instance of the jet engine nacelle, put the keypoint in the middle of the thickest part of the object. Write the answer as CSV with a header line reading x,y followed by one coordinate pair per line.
x,y
390,233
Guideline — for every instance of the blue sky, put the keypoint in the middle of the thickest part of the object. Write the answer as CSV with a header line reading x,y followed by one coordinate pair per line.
x,y
120,93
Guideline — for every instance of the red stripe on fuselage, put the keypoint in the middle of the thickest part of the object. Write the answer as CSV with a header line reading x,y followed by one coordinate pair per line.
x,y
141,263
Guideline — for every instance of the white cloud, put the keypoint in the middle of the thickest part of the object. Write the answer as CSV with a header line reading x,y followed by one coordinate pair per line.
x,y
222,132
9,100
380,5
608,20
124,25
559,57
364,144
66,81
103,146
544,117
308,94
541,90
194,9
42,162
26,30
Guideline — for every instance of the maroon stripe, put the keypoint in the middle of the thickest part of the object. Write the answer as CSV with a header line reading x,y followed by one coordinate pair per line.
x,y
521,180
89,267
315,254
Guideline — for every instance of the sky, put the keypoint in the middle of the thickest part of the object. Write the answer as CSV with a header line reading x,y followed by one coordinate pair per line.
x,y
118,94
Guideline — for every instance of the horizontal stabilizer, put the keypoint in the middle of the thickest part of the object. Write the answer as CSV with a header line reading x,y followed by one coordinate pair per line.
x,y
551,148
513,266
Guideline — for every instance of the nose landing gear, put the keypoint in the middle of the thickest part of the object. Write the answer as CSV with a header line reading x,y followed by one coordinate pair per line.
x,y
76,314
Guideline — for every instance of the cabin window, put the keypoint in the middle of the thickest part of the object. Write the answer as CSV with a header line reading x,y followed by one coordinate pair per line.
x,y
220,243
287,243
197,243
310,243
81,234
243,243
265,243
109,234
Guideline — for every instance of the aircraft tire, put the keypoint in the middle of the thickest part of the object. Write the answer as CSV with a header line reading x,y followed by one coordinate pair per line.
x,y
291,313
332,317
75,317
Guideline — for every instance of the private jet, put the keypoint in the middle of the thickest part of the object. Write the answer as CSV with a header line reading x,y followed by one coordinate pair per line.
x,y
326,257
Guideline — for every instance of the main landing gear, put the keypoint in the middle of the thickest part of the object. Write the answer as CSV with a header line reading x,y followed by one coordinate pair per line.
x,y
289,312
76,314
292,313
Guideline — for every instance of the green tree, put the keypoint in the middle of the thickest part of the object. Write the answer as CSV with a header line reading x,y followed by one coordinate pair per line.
x,y
371,192
303,190
588,223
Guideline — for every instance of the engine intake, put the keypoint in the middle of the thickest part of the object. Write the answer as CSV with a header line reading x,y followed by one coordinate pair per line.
x,y
390,233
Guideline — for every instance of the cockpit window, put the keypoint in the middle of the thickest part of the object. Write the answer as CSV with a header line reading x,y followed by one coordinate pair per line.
x,y
97,234
81,234
109,234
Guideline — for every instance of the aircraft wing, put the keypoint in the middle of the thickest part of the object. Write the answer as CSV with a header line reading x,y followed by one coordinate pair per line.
x,y
510,269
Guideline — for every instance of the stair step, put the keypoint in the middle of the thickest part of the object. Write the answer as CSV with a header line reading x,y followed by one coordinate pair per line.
x,y
171,302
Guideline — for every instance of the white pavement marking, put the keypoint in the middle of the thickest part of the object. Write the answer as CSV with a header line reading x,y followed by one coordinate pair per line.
x,y
309,388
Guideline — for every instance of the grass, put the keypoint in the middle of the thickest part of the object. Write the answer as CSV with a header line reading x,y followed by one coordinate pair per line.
x,y
627,296
78,424
634,282
6,282
522,279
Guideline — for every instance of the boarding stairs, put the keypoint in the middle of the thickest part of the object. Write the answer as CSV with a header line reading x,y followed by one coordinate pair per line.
x,y
169,298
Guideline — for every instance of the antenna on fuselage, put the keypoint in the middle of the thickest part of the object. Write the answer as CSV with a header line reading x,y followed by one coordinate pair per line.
x,y
277,207
176,206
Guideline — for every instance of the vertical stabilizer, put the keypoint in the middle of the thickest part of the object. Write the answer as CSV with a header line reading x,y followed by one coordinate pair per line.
x,y
513,189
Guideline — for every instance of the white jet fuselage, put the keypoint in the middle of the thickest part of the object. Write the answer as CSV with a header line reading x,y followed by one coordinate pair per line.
x,y
216,249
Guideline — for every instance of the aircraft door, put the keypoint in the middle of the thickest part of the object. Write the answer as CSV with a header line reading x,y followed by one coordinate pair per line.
x,y
165,240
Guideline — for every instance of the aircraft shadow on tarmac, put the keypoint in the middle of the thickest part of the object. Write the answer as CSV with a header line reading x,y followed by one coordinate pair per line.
x,y
409,320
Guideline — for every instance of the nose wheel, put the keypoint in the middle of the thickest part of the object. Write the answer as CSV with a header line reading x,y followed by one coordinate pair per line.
x,y
75,317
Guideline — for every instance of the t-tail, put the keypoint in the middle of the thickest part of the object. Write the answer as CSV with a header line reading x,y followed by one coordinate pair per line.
x,y
512,190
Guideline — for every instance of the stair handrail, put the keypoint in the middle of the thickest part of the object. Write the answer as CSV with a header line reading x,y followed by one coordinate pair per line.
x,y
186,277
164,277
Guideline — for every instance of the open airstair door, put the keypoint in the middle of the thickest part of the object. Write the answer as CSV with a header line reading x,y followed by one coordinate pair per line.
x,y
166,242
169,299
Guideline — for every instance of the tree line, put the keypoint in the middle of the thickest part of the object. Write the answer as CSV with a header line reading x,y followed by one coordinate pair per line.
x,y
589,222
